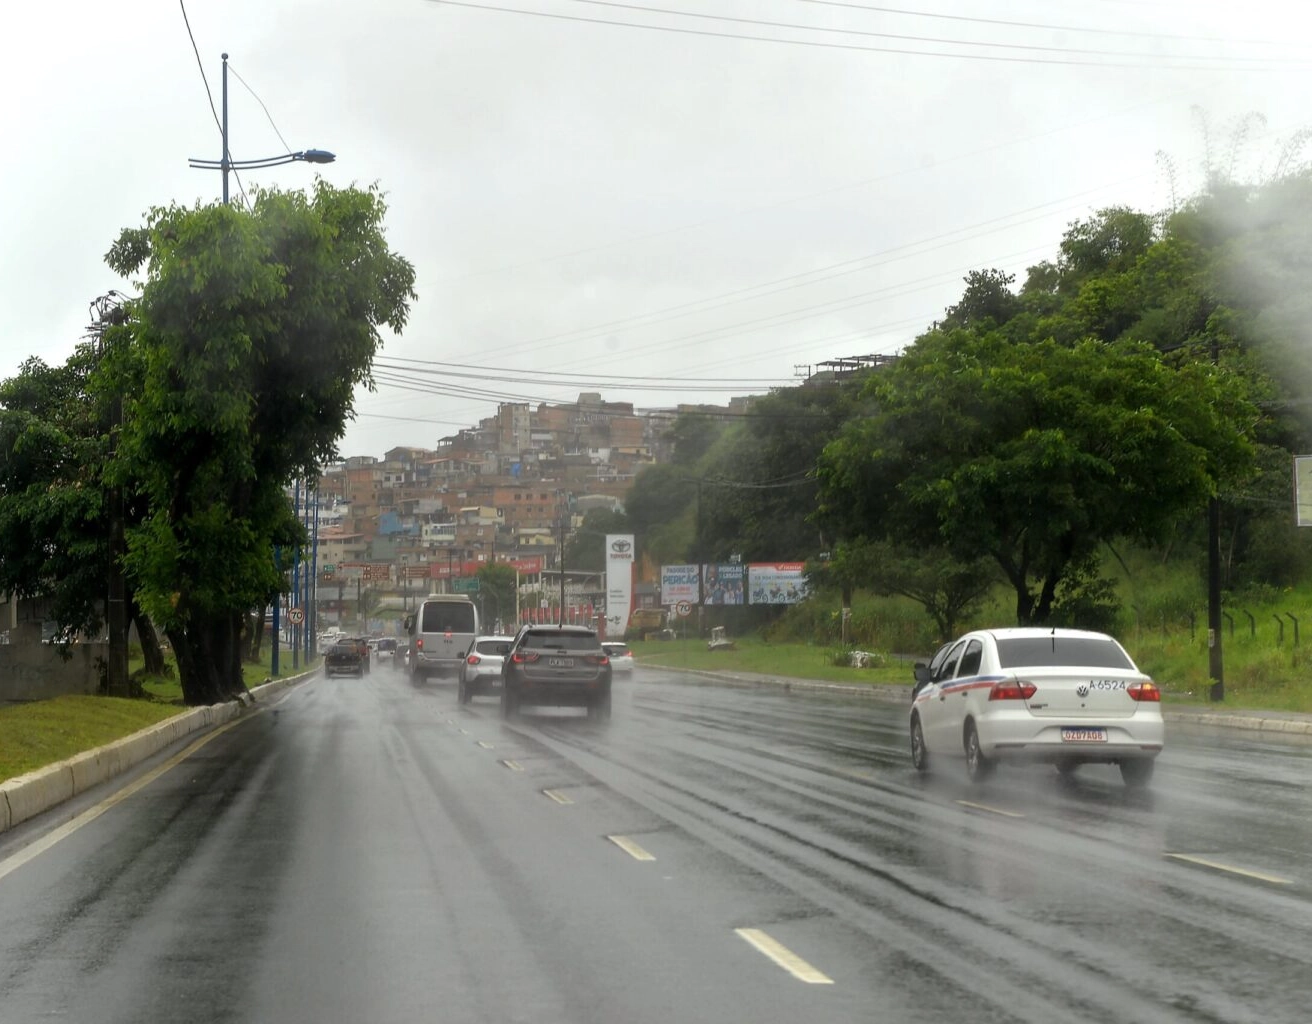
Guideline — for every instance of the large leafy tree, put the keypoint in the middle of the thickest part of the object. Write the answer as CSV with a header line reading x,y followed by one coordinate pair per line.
x,y
252,331
1034,454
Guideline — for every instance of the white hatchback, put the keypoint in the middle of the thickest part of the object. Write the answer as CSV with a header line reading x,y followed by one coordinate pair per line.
x,y
621,658
480,672
1062,696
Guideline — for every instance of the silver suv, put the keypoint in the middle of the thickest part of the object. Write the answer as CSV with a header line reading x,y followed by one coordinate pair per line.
x,y
556,665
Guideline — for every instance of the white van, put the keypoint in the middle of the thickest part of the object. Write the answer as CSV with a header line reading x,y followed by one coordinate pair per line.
x,y
441,631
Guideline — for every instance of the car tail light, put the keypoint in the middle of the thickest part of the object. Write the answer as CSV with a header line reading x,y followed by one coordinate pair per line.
x,y
419,644
1145,691
520,657
1012,689
596,659
473,659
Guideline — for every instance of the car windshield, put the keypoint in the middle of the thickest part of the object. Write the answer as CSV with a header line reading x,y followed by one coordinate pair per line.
x,y
1089,652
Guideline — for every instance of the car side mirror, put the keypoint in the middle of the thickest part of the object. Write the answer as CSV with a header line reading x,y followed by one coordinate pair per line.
x,y
408,623
921,671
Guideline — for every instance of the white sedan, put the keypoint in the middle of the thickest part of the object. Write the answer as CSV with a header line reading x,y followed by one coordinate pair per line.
x,y
621,658
480,672
1062,696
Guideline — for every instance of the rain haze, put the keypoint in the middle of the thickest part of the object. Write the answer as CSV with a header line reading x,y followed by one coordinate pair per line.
x,y
664,203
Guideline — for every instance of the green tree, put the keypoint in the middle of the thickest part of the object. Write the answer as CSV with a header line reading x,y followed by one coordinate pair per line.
x,y
1034,454
252,332
585,548
496,595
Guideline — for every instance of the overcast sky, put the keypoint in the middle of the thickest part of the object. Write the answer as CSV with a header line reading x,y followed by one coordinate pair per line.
x,y
676,205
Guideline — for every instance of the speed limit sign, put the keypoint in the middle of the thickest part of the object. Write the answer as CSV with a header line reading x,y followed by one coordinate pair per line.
x,y
683,609
296,616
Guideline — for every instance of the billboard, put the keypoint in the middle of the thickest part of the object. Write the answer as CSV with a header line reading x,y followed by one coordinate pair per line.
x,y
619,582
1303,490
775,583
680,583
725,584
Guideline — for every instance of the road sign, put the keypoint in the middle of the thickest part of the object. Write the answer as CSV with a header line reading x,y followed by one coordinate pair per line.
x,y
465,586
329,568
683,609
296,616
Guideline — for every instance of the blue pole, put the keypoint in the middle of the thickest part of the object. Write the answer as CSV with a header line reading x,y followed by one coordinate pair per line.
x,y
296,577
277,604
312,582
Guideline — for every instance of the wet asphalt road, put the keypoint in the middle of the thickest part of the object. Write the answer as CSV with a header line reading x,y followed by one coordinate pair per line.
x,y
368,851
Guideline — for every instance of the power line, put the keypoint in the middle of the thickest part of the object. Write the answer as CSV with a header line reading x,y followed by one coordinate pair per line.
x,y
262,107
935,40
1132,33
852,47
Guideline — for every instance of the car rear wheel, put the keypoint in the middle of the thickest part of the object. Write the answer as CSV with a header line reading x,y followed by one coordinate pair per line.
x,y
1138,772
599,707
509,702
919,755
463,692
978,767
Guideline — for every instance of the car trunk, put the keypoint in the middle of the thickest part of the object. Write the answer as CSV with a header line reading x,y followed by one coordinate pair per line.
x,y
1074,694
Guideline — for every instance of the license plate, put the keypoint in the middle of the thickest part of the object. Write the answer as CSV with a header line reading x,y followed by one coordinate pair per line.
x,y
561,662
1070,734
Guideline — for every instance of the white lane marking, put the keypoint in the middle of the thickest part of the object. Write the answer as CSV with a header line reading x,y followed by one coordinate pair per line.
x,y
29,853
483,743
990,810
783,956
630,847
559,797
1217,865
514,766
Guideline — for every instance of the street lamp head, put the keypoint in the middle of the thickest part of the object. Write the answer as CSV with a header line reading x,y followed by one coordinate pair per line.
x,y
318,156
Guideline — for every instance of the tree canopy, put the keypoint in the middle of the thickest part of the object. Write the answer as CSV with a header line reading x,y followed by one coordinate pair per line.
x,y
238,373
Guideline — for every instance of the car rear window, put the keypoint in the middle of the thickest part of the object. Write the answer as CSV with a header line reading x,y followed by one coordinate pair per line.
x,y
496,647
441,617
387,645
1029,652
561,641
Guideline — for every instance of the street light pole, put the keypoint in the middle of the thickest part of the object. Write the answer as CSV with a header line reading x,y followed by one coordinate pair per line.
x,y
225,163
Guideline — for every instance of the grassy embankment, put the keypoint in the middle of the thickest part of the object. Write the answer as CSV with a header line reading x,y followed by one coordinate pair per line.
x,y
42,732
1162,623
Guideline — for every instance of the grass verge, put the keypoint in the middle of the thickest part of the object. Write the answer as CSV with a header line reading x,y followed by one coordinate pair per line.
x,y
790,660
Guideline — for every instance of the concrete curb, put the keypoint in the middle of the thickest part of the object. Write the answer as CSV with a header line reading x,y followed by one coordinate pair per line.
x,y
26,796
1253,721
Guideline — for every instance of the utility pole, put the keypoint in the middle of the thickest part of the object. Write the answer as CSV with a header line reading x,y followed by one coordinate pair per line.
x,y
561,616
1215,667
108,313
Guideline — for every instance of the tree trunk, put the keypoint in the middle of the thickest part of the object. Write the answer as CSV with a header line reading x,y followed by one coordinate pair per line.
x,y
150,646
209,662
257,638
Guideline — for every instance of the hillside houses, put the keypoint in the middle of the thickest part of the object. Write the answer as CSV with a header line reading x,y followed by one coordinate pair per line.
x,y
499,491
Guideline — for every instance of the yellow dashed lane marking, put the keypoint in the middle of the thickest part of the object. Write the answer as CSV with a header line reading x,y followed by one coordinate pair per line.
x,y
990,810
560,798
783,956
92,813
630,847
1218,866
514,766
483,743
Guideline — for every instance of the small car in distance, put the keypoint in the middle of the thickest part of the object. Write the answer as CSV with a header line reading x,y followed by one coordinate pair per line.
x,y
1060,696
480,672
343,658
556,665
621,658
385,649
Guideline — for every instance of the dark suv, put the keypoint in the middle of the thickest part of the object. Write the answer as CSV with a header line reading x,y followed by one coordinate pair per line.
x,y
556,665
